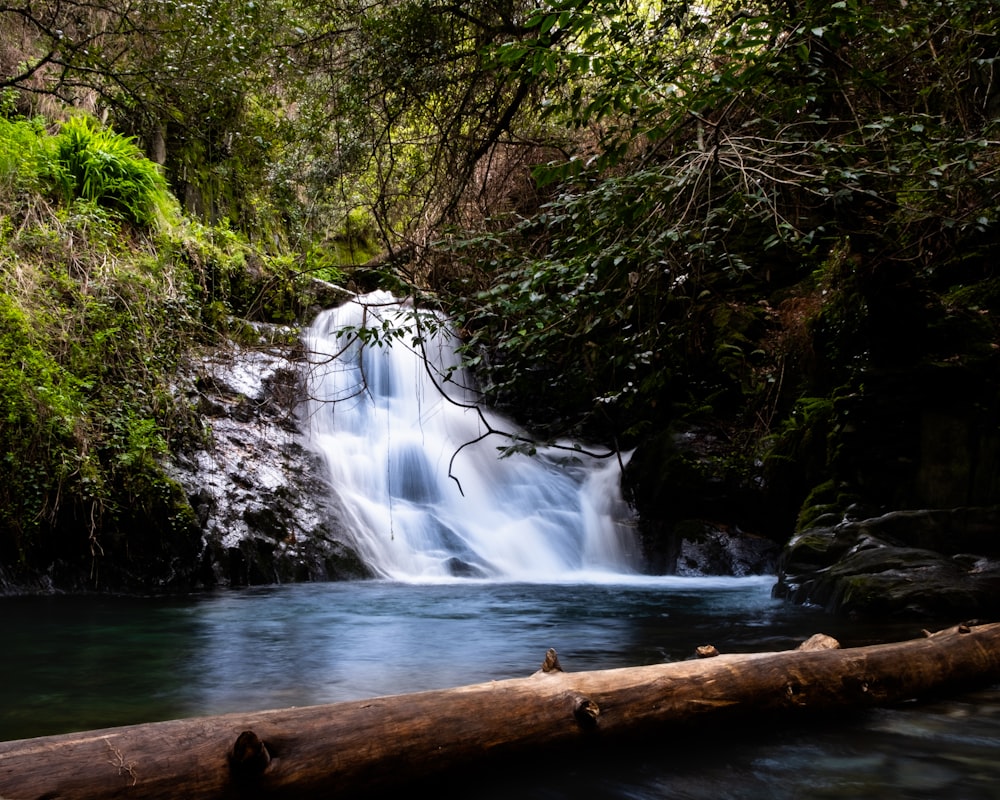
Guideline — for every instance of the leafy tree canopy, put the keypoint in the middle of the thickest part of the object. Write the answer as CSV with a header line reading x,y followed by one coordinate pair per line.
x,y
721,168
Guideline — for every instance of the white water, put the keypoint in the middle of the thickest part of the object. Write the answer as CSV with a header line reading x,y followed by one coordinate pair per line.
x,y
389,437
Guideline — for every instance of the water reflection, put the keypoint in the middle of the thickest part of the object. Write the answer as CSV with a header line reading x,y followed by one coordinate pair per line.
x,y
82,663
72,663
324,643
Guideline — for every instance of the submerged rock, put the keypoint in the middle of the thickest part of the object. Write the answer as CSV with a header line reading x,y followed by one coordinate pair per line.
x,y
259,493
934,564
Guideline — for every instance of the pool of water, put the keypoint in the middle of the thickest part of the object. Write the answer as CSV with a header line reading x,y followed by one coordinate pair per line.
x,y
77,663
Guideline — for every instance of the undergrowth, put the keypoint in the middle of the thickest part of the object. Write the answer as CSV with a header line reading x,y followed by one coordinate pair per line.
x,y
105,290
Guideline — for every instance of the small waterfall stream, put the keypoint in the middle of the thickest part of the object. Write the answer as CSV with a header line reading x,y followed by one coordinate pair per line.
x,y
421,483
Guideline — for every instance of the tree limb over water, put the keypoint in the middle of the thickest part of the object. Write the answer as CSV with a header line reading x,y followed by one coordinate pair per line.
x,y
413,327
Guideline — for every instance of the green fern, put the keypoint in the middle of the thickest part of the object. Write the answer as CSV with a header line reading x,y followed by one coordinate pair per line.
x,y
110,170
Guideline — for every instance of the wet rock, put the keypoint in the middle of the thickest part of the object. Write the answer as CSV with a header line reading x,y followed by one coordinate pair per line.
x,y
257,490
934,564
709,549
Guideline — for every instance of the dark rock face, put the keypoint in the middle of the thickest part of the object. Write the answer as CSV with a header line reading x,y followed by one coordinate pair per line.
x,y
936,564
923,437
695,507
909,436
259,493
703,548
940,564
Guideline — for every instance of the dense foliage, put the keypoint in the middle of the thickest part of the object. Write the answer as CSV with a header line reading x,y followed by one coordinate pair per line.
x,y
739,169
751,216
88,335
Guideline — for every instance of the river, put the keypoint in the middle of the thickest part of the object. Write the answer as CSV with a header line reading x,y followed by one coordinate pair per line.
x,y
74,663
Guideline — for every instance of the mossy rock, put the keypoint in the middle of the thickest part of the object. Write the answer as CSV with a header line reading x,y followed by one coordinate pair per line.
x,y
935,590
870,568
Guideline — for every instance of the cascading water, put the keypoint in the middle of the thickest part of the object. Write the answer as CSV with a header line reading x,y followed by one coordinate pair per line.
x,y
416,469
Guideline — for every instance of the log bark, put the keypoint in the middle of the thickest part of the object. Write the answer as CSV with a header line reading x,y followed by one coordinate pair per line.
x,y
357,747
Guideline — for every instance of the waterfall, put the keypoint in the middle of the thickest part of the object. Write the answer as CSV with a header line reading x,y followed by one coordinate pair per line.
x,y
421,484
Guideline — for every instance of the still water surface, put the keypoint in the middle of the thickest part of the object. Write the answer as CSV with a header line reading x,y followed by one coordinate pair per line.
x,y
75,663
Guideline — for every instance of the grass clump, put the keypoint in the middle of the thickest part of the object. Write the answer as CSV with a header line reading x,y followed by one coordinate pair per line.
x,y
109,170
86,165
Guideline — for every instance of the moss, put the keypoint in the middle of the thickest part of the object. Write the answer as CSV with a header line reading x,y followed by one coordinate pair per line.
x,y
822,501
978,295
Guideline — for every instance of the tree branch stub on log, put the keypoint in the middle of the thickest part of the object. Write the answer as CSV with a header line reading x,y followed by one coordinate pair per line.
x,y
356,747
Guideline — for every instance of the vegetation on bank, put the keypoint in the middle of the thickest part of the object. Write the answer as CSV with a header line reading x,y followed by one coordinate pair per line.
x,y
105,290
774,223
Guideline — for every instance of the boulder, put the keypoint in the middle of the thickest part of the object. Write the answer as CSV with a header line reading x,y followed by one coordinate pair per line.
x,y
706,548
929,564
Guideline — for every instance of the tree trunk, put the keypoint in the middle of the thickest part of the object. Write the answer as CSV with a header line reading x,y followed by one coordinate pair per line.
x,y
357,747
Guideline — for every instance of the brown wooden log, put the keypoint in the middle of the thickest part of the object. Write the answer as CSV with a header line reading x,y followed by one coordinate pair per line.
x,y
356,747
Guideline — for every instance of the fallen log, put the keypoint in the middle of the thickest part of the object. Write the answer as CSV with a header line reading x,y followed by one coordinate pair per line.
x,y
357,747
